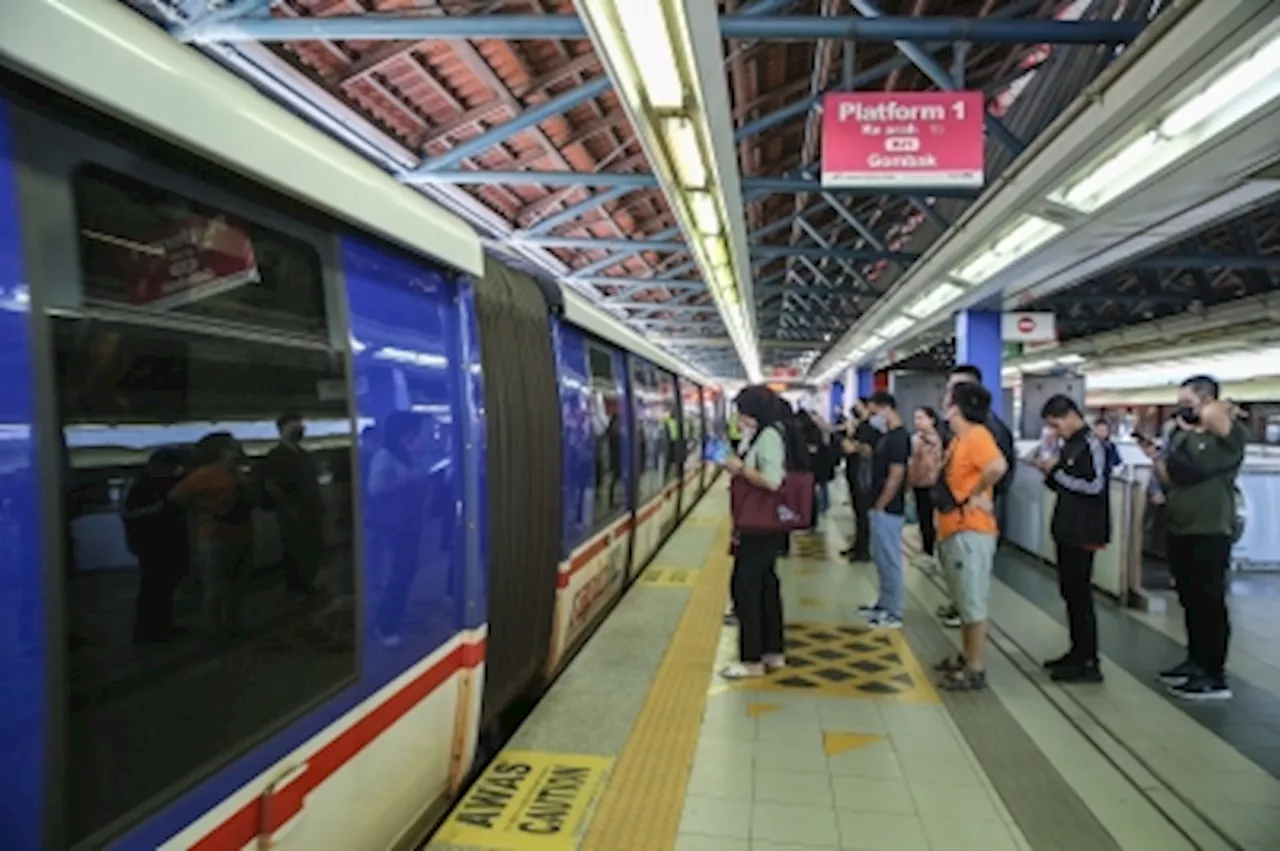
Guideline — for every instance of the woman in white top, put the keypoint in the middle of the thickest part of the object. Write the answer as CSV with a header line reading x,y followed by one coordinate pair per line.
x,y
757,595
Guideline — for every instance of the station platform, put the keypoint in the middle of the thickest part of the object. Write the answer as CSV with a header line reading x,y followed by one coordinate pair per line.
x,y
639,746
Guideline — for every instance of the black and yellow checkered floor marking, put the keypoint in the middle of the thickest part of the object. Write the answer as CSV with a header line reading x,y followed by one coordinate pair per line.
x,y
668,577
810,547
837,660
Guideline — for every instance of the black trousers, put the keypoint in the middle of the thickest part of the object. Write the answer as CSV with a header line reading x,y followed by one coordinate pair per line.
x,y
757,597
924,513
1075,582
862,520
1200,565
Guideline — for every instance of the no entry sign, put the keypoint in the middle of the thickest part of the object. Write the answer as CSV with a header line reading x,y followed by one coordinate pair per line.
x,y
872,139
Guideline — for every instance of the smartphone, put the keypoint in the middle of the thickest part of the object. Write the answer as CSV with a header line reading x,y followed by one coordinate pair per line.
x,y
717,451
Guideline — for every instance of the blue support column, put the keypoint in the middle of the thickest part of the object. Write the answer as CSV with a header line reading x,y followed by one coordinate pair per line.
x,y
866,382
979,343
837,401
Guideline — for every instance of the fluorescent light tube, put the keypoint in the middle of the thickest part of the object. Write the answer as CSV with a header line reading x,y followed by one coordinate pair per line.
x,y
897,326
1031,233
1114,176
706,215
717,251
644,26
1241,90
931,302
685,152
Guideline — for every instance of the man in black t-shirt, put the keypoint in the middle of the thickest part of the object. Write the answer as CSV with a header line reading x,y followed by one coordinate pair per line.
x,y
888,477
858,443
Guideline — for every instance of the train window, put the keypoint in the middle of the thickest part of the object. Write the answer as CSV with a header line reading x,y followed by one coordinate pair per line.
x,y
152,250
648,431
606,419
207,493
670,413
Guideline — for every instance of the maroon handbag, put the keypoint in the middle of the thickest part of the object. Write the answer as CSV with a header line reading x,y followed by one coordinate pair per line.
x,y
787,509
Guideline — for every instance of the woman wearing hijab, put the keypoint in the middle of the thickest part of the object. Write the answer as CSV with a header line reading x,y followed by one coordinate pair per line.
x,y
757,596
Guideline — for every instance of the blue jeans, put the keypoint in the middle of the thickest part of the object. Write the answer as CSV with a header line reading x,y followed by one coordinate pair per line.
x,y
822,500
886,552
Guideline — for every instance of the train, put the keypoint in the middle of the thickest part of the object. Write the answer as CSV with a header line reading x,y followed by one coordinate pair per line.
x,y
303,497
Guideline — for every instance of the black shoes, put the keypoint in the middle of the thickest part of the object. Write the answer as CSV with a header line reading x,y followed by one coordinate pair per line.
x,y
1068,669
1203,687
1179,675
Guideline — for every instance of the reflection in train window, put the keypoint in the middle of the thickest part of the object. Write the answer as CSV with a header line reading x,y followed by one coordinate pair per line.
x,y
606,428
669,411
208,547
650,434
154,251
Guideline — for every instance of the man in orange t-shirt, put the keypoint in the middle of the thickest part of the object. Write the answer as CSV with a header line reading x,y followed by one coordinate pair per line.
x,y
967,528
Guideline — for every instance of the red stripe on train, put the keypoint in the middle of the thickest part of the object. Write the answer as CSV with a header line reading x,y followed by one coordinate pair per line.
x,y
243,827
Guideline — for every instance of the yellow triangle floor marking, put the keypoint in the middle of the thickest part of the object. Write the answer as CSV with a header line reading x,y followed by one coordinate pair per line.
x,y
813,602
755,710
835,743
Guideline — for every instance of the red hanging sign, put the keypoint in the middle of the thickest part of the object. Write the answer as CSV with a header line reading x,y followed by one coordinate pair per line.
x,y
925,139
199,258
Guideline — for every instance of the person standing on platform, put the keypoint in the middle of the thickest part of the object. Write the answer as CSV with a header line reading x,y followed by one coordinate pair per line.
x,y
1198,474
888,493
859,442
754,586
969,374
922,474
1080,474
1102,429
965,501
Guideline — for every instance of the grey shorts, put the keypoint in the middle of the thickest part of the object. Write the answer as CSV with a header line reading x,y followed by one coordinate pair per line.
x,y
967,559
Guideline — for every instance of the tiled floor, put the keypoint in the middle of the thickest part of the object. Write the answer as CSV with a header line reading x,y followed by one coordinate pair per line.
x,y
853,748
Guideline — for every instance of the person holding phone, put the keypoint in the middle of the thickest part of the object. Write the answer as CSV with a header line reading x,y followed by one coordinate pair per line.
x,y
1080,474
1198,473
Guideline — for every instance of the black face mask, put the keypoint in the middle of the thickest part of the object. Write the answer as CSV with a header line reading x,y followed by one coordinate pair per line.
x,y
1188,415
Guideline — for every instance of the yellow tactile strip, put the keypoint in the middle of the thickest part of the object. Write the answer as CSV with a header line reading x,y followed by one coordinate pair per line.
x,y
641,807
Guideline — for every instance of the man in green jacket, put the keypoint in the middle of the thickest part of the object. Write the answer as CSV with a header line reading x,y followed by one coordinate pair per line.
x,y
1198,473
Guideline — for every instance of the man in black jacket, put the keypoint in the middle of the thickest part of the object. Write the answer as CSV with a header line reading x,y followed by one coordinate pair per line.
x,y
1080,475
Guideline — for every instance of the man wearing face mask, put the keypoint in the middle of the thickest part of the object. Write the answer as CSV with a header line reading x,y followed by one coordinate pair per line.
x,y
888,475
1198,473
292,482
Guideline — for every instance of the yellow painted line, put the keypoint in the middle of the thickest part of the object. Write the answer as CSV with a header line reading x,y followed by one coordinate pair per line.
x,y
657,576
836,743
641,807
527,801
755,710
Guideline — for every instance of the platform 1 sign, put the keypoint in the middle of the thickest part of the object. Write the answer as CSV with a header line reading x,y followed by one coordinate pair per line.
x,y
527,801
1025,327
908,139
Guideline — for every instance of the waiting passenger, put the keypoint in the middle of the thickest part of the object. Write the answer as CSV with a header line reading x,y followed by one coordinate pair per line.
x,y
293,483
156,532
1198,474
1102,429
969,374
922,474
859,441
967,530
757,595
397,499
216,491
888,507
1080,474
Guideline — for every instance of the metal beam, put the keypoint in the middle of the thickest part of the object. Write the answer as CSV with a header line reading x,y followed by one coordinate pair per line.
x,y
531,117
614,179
935,72
575,211
1207,261
746,27
590,244
813,252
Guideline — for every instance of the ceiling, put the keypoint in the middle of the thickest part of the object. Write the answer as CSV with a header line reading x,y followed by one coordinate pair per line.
x,y
540,106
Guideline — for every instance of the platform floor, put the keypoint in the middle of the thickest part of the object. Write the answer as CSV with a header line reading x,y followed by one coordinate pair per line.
x,y
640,747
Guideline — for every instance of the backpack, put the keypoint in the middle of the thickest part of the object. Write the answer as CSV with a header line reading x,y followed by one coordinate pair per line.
x,y
1004,440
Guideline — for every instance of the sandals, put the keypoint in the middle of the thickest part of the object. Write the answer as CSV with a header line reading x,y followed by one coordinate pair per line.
x,y
951,664
964,680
